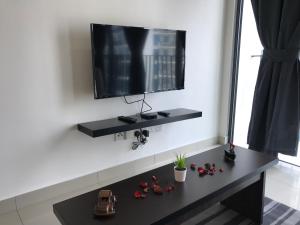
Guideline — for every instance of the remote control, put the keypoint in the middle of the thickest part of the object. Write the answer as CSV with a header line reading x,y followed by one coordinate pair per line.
x,y
149,116
127,119
163,113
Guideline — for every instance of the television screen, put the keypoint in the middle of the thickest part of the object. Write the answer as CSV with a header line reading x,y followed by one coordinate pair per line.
x,y
134,60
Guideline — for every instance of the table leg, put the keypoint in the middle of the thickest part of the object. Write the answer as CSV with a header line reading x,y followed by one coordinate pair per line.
x,y
249,201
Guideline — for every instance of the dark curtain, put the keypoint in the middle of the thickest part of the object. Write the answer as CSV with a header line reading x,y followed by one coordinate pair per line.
x,y
274,124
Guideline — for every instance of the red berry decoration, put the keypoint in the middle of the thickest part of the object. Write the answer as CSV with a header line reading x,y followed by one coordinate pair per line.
x,y
153,185
154,178
158,190
207,166
143,184
169,188
201,171
137,194
193,166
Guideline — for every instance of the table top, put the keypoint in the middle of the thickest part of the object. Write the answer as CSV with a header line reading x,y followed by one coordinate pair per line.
x,y
79,210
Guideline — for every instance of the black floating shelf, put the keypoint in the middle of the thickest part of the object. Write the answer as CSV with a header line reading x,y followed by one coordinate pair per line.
x,y
112,126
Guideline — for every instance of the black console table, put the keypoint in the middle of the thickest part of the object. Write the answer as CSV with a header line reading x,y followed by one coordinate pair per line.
x,y
112,126
240,187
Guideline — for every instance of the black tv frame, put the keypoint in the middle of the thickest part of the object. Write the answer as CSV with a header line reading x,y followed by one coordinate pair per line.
x,y
139,93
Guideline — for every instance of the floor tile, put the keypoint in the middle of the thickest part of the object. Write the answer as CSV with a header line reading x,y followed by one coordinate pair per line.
x,y
42,213
10,219
285,174
7,206
42,218
283,184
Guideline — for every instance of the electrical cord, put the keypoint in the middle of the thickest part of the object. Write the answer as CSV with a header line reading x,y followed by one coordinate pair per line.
x,y
141,138
134,101
143,103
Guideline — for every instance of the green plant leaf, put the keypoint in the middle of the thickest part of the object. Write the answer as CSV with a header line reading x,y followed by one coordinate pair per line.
x,y
180,162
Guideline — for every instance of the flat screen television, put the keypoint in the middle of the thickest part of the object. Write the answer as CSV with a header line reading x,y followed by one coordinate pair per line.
x,y
135,60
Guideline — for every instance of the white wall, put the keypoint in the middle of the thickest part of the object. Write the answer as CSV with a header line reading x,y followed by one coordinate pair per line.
x,y
46,86
228,44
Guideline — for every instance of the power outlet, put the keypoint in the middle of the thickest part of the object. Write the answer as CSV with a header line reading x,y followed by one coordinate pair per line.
x,y
130,134
155,129
120,136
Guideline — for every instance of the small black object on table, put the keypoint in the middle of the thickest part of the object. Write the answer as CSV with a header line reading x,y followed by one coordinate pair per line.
x,y
229,152
239,187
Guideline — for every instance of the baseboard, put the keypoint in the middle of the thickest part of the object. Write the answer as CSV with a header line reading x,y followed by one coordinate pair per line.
x,y
102,178
223,140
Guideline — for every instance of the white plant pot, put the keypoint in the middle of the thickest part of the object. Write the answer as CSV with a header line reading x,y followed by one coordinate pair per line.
x,y
180,175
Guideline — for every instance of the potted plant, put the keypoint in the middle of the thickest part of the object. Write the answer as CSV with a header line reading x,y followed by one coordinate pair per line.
x,y
180,168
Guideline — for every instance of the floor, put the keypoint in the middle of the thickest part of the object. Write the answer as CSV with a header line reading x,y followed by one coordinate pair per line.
x,y
283,185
